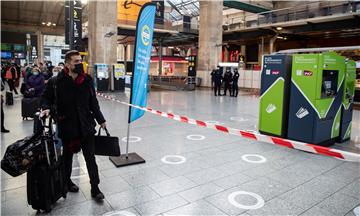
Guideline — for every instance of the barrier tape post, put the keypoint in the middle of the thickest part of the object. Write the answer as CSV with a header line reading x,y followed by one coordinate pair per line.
x,y
339,154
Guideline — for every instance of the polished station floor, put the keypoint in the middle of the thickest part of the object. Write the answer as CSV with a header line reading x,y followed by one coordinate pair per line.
x,y
191,170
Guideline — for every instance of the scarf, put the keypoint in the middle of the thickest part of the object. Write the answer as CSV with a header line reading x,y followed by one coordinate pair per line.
x,y
74,144
79,79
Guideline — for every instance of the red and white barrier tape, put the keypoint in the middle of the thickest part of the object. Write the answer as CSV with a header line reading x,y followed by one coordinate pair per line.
x,y
343,155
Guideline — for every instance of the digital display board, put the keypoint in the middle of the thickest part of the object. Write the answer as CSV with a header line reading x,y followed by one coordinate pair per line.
x,y
6,55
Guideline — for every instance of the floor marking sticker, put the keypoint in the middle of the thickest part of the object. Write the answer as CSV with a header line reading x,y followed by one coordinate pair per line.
x,y
132,139
261,159
195,137
181,160
259,204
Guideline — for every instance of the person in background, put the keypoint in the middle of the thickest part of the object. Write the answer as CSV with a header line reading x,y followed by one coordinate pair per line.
x,y
235,87
212,74
217,81
35,84
11,76
227,81
76,107
49,71
3,130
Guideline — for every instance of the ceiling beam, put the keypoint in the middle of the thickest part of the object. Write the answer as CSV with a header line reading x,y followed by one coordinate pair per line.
x,y
60,15
41,12
18,11
23,28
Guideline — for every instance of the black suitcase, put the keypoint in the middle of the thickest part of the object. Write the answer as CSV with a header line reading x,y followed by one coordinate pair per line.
x,y
29,106
9,98
46,180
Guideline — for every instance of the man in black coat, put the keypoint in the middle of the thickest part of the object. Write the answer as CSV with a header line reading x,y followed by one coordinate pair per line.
x,y
73,97
235,87
227,81
217,81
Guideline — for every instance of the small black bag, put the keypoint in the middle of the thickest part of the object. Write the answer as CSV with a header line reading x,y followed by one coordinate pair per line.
x,y
106,145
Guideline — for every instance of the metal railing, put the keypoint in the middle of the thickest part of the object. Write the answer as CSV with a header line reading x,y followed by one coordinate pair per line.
x,y
296,13
173,82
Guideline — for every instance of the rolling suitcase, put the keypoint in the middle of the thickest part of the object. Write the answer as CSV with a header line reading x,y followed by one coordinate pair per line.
x,y
29,106
45,180
9,98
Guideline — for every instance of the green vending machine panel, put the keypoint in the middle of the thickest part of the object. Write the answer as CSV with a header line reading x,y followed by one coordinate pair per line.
x,y
274,94
347,101
316,97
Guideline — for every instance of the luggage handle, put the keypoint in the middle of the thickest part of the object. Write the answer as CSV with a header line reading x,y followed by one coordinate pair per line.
x,y
50,129
106,131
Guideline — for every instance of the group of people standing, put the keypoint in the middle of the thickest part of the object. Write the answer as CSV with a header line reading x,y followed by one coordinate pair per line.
x,y
32,85
229,80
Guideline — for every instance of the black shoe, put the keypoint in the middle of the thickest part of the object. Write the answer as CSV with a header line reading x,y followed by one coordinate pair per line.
x,y
96,193
72,187
4,130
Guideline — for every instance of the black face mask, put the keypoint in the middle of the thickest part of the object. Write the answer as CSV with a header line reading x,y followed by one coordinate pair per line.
x,y
79,69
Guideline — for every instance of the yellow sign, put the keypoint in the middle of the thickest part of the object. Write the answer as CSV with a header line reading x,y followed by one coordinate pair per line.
x,y
119,71
128,10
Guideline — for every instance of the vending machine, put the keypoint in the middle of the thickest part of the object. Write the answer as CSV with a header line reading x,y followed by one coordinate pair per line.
x,y
316,93
118,73
347,101
102,77
274,94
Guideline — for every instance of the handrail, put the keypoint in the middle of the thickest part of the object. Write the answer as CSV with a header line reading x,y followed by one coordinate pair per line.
x,y
298,12
321,49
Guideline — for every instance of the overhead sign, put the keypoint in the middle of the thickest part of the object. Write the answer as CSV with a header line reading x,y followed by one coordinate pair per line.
x,y
74,8
142,54
128,10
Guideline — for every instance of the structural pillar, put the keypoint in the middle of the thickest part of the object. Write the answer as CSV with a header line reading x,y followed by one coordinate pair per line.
x,y
210,39
40,47
102,33
160,56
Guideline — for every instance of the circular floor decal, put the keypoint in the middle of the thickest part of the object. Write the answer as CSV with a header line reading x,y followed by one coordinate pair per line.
x,y
232,199
195,137
238,119
132,139
246,157
357,211
180,159
119,213
214,122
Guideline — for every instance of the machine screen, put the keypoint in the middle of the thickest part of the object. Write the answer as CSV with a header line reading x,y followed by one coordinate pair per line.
x,y
329,83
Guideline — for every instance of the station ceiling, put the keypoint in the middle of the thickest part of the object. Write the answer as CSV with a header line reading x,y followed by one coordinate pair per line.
x,y
33,13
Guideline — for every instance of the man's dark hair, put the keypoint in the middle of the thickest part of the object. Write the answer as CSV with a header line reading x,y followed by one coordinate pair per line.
x,y
70,54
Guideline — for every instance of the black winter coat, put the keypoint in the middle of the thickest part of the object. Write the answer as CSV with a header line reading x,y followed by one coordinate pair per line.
x,y
76,106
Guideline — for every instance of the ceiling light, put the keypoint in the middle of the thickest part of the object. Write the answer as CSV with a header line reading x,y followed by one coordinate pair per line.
x,y
279,37
54,24
49,23
279,28
43,23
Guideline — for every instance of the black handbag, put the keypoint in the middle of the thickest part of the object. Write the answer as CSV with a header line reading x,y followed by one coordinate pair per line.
x,y
106,145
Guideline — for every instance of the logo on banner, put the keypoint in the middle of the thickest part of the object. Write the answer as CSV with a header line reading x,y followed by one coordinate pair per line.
x,y
302,112
145,35
270,108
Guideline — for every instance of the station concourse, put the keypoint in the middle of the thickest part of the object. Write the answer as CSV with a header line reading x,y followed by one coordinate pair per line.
x,y
204,154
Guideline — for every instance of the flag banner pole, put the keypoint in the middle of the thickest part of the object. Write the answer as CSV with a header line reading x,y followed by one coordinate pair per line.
x,y
138,94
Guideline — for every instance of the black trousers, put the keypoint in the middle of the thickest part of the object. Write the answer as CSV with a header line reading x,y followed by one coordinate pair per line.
x,y
226,87
12,87
217,89
235,90
2,116
87,147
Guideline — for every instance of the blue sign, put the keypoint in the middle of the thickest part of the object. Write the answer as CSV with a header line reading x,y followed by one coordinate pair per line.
x,y
142,54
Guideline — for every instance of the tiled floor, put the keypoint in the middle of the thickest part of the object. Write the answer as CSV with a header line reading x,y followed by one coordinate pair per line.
x,y
290,182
